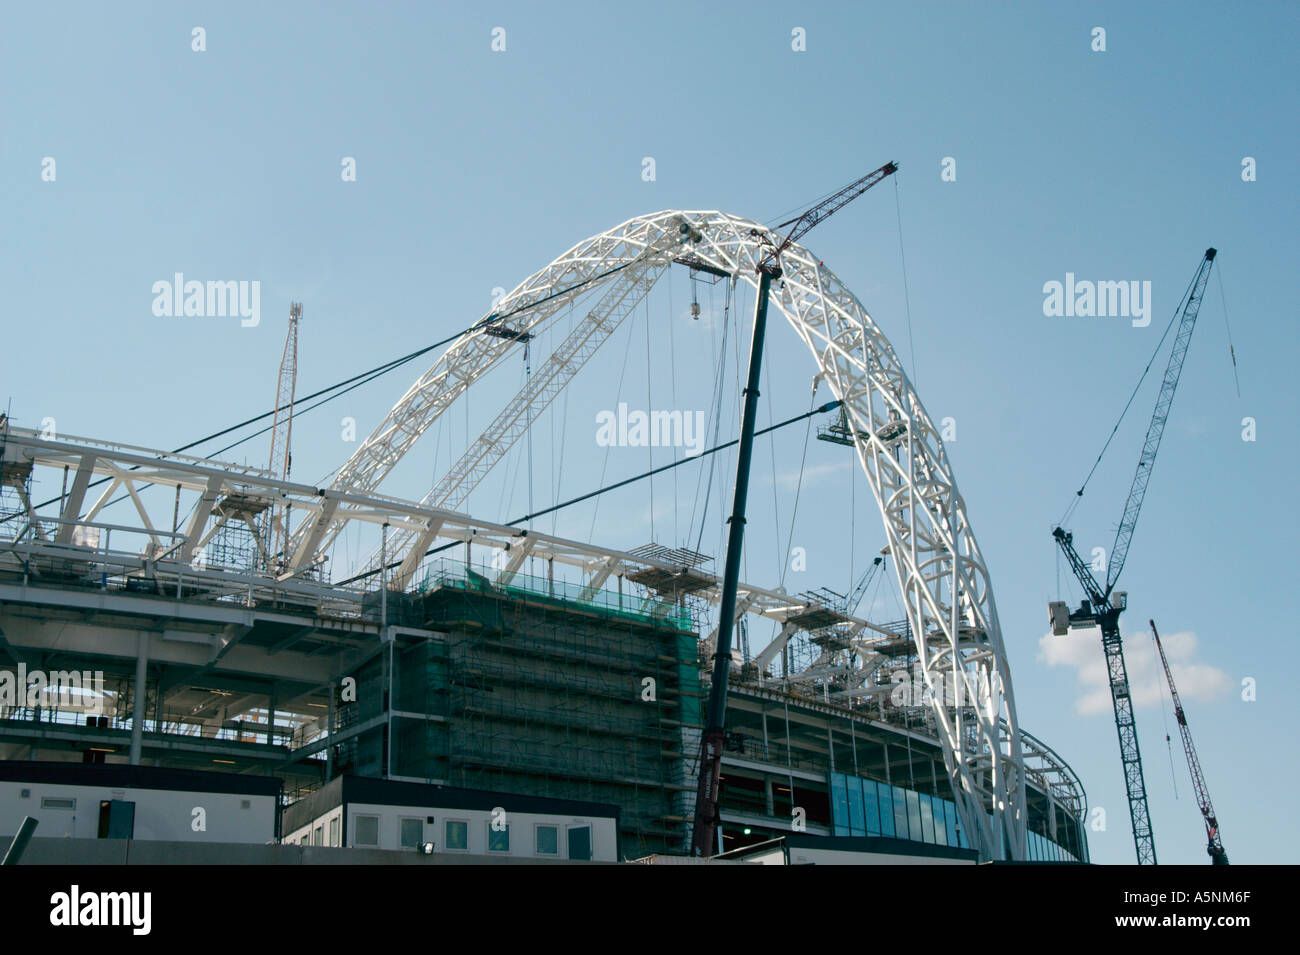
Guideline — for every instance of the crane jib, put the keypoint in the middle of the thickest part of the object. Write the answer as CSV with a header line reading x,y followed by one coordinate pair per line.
x,y
1156,429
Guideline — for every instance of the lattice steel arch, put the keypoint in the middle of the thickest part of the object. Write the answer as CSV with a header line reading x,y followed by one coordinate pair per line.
x,y
941,572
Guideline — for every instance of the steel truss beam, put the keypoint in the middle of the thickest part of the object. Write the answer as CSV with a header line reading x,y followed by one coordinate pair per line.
x,y
940,569
206,484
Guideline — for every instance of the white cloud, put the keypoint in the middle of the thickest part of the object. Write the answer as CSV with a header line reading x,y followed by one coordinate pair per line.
x,y
1198,682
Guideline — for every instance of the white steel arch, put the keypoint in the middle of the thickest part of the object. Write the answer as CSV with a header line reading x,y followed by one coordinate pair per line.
x,y
941,572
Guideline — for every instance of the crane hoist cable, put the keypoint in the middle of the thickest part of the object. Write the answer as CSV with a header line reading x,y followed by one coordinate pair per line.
x,y
907,297
528,425
719,374
622,377
564,433
672,375
1232,352
794,513
822,409
1169,744
699,475
771,445
649,404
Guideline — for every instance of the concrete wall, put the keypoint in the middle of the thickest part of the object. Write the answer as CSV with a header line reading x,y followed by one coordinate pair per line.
x,y
130,852
159,814
802,856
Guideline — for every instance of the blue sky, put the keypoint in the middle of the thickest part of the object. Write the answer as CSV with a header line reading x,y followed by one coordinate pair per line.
x,y
476,168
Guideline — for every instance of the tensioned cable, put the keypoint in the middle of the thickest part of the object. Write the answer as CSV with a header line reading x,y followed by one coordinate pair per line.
x,y
717,413
672,372
649,400
1169,745
622,377
794,513
376,373
775,221
829,406
907,297
564,433
776,507
853,520
1232,352
528,428
369,376
1079,493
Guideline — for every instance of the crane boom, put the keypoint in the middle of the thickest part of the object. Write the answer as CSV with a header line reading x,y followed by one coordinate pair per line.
x,y
860,591
803,222
1102,609
1214,842
705,830
1156,430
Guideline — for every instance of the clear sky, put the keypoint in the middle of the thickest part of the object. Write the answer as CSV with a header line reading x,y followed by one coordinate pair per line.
x,y
474,168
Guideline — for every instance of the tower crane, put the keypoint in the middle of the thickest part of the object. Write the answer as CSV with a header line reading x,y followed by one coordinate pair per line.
x,y
282,431
1214,843
768,267
1103,604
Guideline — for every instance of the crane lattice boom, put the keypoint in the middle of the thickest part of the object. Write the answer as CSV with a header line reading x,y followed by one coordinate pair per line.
x,y
768,267
1215,843
1156,430
282,424
1103,609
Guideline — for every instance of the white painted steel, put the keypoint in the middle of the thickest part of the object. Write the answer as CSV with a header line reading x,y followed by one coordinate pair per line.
x,y
941,572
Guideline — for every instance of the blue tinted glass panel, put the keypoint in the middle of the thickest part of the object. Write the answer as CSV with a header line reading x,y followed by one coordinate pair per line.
x,y
839,804
950,820
886,796
927,818
857,827
914,816
900,813
871,807
961,838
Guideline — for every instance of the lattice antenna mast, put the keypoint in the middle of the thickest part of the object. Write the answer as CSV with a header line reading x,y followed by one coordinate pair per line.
x,y
282,424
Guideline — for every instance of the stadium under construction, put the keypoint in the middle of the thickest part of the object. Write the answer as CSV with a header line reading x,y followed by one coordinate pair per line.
x,y
196,598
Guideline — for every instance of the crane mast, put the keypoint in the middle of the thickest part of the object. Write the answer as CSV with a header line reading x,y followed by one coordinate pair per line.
x,y
704,833
1104,604
1103,610
1214,844
282,431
